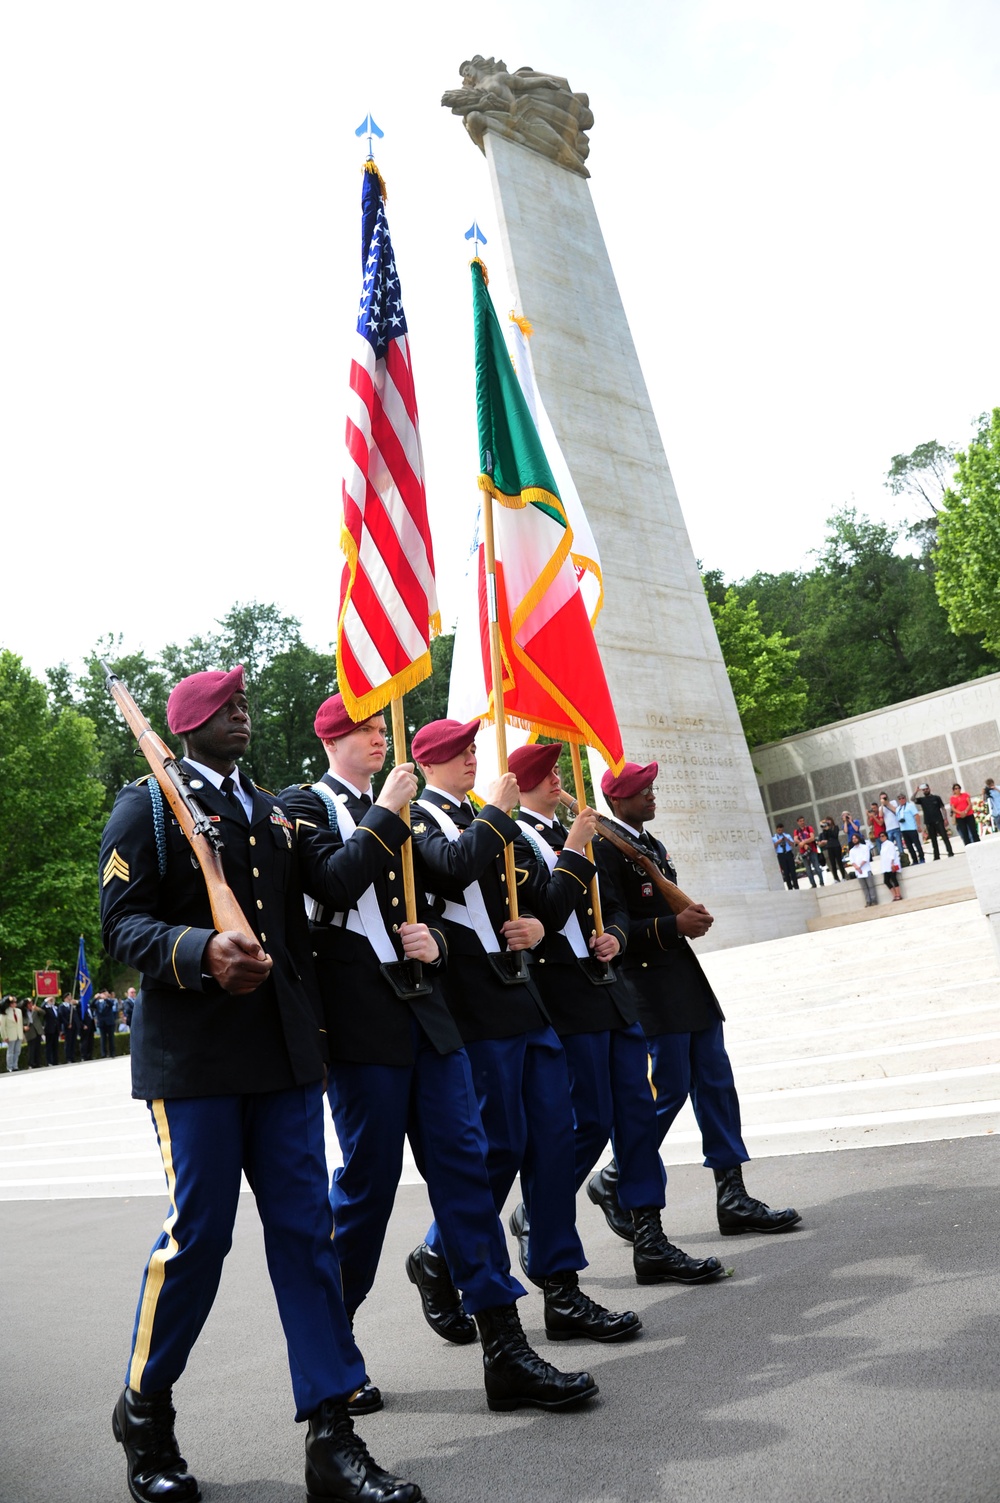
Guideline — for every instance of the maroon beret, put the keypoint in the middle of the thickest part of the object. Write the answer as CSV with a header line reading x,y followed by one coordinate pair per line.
x,y
196,698
632,779
332,720
530,764
442,739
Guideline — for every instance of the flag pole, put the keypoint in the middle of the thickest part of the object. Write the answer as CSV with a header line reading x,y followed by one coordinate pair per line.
x,y
496,674
399,754
581,799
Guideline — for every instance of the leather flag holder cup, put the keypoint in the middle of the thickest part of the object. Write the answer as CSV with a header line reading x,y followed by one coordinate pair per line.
x,y
406,977
509,966
597,972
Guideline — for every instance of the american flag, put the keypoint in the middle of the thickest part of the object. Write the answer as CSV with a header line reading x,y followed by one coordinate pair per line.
x,y
388,600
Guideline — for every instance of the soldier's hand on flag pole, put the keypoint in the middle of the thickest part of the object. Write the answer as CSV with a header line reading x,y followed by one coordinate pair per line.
x,y
522,933
399,788
504,793
582,830
419,943
605,946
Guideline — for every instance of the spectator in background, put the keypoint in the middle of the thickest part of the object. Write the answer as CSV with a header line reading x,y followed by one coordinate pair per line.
x,y
860,857
890,863
932,808
128,1006
805,844
965,818
69,1021
829,839
991,793
35,1015
850,826
12,1030
890,817
88,1027
784,849
908,811
53,1028
876,827
107,1022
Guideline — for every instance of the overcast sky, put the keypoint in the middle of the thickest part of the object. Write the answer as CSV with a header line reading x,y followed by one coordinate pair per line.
x,y
808,189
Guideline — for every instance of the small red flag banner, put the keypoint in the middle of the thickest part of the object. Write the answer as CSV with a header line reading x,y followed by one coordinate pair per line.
x,y
46,983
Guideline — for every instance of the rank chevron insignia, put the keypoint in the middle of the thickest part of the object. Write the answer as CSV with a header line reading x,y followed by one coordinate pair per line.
x,y
116,866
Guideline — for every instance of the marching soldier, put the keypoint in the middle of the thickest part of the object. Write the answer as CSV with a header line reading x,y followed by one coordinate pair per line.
x,y
518,1064
224,1101
398,1070
595,1015
679,1013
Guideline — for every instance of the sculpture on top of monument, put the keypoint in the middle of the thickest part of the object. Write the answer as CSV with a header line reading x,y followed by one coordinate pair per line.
x,y
538,110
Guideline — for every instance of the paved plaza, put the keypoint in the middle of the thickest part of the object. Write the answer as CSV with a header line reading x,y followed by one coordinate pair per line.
x,y
853,1359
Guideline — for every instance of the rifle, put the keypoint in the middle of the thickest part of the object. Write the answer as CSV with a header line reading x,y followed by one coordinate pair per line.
x,y
203,837
630,847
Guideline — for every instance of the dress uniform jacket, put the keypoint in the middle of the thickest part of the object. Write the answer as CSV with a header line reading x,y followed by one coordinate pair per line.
x,y
365,1018
673,990
189,1038
575,1004
483,1006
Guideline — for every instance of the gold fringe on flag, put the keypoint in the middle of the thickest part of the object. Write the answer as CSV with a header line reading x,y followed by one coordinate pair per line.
x,y
371,167
477,261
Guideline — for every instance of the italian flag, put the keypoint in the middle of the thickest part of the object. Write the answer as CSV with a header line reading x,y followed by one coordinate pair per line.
x,y
553,677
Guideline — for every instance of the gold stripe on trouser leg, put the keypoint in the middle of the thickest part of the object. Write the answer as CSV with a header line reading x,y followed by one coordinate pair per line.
x,y
649,1075
156,1268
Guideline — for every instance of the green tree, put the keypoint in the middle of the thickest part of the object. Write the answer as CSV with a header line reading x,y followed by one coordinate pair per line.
x,y
50,828
770,693
119,759
967,556
922,477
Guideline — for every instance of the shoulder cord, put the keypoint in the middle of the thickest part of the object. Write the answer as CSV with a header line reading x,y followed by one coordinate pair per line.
x,y
331,805
159,830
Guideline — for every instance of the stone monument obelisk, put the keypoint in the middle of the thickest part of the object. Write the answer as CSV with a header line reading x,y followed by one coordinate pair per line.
x,y
656,634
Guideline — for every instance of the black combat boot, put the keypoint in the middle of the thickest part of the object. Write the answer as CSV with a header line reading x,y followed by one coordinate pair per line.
x,y
339,1468
602,1189
658,1261
570,1314
157,1473
428,1272
739,1212
515,1375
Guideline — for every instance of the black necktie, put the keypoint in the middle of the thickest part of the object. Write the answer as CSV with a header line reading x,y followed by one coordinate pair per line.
x,y
228,791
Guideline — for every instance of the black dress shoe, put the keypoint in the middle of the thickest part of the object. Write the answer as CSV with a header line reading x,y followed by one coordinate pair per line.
x,y
157,1473
520,1227
515,1375
739,1212
572,1315
339,1468
428,1272
657,1261
602,1189
367,1400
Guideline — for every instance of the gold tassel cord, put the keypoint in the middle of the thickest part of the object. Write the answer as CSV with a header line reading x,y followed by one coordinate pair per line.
x,y
371,167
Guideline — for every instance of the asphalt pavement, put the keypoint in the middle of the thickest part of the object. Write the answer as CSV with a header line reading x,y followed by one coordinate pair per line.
x,y
854,1360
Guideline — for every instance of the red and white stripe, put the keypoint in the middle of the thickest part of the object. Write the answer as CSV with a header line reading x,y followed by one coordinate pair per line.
x,y
388,604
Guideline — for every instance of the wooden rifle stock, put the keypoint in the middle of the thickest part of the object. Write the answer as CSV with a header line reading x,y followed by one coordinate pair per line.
x,y
201,833
630,847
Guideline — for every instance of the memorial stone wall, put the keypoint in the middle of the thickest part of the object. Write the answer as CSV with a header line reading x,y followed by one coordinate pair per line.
x,y
952,736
